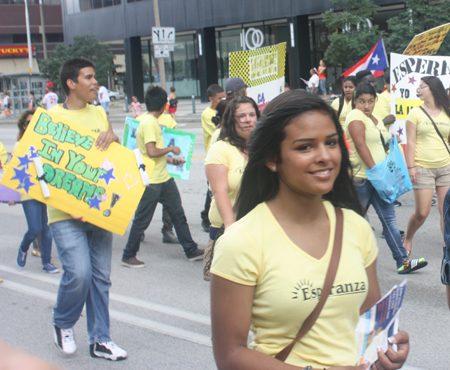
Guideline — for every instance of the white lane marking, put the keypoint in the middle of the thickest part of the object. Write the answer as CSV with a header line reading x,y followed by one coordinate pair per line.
x,y
120,316
192,316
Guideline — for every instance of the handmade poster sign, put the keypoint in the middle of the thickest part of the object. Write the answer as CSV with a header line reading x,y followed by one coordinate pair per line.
x,y
105,187
6,194
185,141
406,72
129,133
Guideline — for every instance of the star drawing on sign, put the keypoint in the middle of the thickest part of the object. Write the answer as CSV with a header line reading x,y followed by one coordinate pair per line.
x,y
26,184
393,88
33,152
108,176
21,175
106,165
375,59
94,202
412,80
24,161
400,131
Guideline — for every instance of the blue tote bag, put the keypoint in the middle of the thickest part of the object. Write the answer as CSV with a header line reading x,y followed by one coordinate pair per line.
x,y
390,178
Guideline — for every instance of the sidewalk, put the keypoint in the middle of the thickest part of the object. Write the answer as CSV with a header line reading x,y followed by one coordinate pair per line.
x,y
117,113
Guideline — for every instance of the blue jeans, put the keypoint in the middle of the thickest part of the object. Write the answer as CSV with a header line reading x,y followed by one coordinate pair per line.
x,y
85,254
323,86
386,213
168,195
36,215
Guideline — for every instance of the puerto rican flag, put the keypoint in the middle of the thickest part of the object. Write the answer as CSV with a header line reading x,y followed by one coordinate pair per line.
x,y
375,62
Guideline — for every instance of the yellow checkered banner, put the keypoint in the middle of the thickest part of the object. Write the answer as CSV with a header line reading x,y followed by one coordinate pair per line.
x,y
262,70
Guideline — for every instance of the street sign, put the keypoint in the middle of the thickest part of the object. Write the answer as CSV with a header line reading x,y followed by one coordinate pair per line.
x,y
162,51
163,35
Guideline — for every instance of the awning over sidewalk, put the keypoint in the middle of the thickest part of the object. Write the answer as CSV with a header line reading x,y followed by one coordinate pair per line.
x,y
17,65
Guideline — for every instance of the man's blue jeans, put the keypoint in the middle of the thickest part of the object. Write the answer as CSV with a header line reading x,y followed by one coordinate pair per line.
x,y
36,215
168,195
85,254
386,213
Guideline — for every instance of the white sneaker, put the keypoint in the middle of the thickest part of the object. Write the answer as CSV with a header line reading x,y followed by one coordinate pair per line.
x,y
108,350
65,340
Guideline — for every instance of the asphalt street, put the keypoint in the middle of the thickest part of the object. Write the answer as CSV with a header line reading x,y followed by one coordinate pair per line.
x,y
160,314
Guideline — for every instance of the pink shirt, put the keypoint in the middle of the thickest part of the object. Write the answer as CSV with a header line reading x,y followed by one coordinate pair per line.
x,y
136,109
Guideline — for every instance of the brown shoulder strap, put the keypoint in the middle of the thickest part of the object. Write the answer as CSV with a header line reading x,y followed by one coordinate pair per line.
x,y
435,127
329,279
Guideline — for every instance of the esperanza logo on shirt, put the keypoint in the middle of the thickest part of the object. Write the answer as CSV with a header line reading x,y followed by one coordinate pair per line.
x,y
305,290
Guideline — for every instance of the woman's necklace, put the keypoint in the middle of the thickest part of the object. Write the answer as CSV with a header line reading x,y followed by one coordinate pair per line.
x,y
429,110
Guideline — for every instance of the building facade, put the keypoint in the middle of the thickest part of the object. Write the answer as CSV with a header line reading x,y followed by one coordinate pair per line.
x,y
206,32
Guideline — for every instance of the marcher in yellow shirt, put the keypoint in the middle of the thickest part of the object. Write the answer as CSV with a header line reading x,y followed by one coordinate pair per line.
x,y
3,156
226,160
215,95
343,104
365,132
297,172
162,188
382,108
427,155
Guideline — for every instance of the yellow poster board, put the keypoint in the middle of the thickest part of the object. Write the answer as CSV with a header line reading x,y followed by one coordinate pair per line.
x,y
428,42
105,187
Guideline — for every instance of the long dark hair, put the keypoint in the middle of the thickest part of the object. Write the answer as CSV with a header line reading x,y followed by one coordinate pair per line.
x,y
228,128
259,184
352,79
21,122
437,89
361,89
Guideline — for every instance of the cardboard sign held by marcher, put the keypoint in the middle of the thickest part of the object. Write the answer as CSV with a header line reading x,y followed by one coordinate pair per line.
x,y
104,187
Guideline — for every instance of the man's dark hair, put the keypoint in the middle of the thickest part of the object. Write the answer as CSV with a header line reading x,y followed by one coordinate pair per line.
x,y
70,70
213,90
361,74
155,98
31,92
387,75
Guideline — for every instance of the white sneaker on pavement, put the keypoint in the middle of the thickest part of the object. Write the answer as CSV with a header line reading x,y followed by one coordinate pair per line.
x,y
108,350
65,340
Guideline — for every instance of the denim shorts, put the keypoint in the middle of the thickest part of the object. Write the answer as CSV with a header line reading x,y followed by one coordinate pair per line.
x,y
430,178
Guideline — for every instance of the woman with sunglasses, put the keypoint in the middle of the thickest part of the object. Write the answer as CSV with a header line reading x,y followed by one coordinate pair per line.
x,y
36,215
427,155
226,161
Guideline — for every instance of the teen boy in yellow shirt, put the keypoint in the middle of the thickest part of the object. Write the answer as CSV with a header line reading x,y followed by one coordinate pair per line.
x,y
162,188
84,249
215,95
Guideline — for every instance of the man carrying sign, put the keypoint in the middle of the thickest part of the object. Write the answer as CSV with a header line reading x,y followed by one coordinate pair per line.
x,y
162,188
84,249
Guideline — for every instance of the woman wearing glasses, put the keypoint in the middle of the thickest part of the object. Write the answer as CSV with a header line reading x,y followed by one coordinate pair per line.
x,y
226,160
36,215
427,155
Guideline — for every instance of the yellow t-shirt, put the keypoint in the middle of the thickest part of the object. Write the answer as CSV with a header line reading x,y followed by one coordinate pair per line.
x,y
214,138
208,127
255,251
222,152
430,150
3,156
23,197
387,96
93,118
149,131
382,108
373,141
166,120
347,107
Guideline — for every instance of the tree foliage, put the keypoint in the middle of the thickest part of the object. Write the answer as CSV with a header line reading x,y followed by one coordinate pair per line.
x,y
87,46
352,37
420,16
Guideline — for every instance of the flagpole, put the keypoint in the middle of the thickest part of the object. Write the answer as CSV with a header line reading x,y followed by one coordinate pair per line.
x,y
30,55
